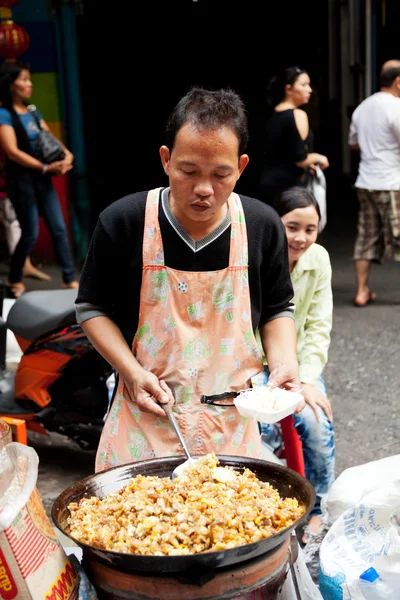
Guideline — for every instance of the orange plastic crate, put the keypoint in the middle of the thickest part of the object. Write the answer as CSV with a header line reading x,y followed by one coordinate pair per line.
x,y
18,428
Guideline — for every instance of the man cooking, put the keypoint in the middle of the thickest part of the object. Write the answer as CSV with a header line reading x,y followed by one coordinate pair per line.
x,y
176,281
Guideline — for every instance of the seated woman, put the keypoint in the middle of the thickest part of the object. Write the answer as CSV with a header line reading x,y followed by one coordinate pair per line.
x,y
311,275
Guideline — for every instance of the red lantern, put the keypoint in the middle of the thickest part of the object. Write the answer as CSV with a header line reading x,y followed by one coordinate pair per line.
x,y
14,40
9,3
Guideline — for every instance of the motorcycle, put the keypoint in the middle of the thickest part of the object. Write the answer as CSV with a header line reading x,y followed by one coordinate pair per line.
x,y
60,384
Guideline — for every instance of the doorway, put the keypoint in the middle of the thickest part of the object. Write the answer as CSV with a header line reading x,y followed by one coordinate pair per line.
x,y
135,68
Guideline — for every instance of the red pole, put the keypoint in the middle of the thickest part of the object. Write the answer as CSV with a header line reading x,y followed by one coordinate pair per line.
x,y
293,446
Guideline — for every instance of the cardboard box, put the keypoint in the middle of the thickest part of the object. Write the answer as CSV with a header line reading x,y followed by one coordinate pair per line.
x,y
33,564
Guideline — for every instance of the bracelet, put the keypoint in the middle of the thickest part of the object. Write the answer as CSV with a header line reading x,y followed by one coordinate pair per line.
x,y
44,170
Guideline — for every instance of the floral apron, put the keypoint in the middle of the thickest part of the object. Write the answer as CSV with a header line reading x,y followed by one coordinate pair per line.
x,y
194,332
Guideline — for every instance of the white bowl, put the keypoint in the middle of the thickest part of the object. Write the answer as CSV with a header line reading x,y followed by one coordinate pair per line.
x,y
267,405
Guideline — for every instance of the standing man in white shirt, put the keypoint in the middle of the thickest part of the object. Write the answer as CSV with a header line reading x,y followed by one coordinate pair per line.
x,y
375,131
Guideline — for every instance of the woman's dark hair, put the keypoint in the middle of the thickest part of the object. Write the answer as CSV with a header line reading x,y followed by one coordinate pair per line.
x,y
9,71
295,197
209,109
275,92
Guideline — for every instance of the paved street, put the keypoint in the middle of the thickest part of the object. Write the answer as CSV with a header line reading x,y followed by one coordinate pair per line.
x,y
363,372
362,375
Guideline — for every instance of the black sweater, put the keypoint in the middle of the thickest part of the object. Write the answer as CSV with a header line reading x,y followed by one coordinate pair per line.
x,y
112,274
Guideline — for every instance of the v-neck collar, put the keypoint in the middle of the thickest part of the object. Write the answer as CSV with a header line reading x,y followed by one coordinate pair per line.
x,y
183,234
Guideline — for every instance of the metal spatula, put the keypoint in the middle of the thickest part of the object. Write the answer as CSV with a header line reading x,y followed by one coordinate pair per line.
x,y
190,460
221,474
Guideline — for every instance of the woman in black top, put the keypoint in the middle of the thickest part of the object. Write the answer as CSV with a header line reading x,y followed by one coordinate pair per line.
x,y
288,141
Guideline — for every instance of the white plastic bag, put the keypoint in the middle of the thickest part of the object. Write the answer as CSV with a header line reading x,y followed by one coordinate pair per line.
x,y
356,482
12,229
365,534
299,581
18,476
33,565
317,186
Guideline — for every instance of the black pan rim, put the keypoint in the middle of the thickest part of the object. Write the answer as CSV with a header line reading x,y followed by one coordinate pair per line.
x,y
149,562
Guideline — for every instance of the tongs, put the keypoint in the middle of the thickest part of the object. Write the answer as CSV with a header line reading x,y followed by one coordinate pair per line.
x,y
220,399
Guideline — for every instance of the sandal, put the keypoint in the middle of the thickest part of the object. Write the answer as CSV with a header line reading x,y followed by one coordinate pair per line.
x,y
30,270
71,285
313,528
14,290
311,552
370,298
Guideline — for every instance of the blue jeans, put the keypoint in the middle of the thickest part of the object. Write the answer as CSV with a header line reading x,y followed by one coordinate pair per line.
x,y
318,444
31,198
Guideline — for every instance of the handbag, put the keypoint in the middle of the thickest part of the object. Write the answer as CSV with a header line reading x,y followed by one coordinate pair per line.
x,y
48,148
316,184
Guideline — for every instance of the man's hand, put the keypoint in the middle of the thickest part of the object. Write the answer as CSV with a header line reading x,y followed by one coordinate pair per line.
x,y
315,398
286,376
144,388
149,392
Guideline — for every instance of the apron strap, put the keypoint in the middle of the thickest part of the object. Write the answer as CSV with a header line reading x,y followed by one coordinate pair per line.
x,y
152,252
238,254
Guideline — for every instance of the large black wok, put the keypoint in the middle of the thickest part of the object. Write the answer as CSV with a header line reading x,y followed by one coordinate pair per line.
x,y
286,481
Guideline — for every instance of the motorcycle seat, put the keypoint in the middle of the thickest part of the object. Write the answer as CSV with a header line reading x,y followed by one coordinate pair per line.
x,y
37,313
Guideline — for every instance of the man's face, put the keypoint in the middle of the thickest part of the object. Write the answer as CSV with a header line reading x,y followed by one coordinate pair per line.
x,y
203,169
